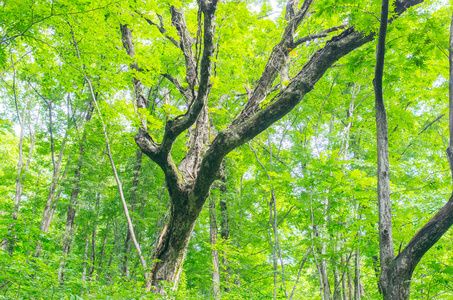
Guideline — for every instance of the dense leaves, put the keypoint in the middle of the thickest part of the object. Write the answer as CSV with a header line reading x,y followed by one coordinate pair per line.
x,y
295,207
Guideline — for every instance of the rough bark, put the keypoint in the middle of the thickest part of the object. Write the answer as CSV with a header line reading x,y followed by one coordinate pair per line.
x,y
173,243
383,187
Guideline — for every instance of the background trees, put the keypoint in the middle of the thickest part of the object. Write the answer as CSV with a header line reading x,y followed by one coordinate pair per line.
x,y
295,207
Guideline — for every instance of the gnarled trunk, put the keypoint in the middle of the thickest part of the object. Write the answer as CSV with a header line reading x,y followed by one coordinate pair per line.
x,y
173,243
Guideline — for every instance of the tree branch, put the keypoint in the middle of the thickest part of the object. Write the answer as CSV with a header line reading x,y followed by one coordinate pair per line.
x,y
186,42
276,62
175,127
184,92
311,37
161,28
239,133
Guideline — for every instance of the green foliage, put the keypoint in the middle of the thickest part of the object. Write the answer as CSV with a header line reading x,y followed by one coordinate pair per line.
x,y
319,160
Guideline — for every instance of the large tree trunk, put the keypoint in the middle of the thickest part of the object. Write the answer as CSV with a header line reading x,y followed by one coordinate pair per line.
x,y
173,244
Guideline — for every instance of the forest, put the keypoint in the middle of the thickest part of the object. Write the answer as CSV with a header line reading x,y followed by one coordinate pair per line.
x,y
234,149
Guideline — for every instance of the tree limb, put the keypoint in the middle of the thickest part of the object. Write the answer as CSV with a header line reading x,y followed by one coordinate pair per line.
x,y
186,42
274,65
175,127
239,133
161,28
184,91
319,35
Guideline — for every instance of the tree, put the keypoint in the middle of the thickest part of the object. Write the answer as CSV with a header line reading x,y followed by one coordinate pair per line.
x,y
189,186
300,196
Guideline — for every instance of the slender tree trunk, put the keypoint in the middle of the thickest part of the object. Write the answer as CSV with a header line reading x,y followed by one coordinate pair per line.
x,y
320,276
57,198
396,272
277,242
214,251
115,173
323,271
344,282
350,286
108,274
8,245
56,178
85,257
93,239
298,274
225,235
450,100
73,200
92,253
357,283
101,254
336,279
386,250
127,244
